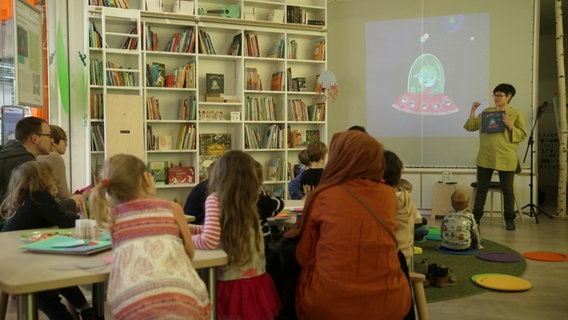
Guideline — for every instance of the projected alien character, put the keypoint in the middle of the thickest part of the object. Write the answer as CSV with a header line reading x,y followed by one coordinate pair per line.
x,y
425,93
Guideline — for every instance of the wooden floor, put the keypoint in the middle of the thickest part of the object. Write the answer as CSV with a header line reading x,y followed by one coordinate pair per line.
x,y
548,297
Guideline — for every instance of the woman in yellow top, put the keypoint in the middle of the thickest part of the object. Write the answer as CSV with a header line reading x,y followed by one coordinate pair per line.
x,y
498,151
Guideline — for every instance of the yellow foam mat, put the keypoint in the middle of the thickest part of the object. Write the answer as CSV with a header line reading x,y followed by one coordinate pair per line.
x,y
503,282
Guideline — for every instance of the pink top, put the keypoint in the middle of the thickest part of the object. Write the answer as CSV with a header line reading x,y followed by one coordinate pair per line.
x,y
208,236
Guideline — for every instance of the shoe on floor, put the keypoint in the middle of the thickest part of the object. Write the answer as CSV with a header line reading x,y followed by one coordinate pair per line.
x,y
510,224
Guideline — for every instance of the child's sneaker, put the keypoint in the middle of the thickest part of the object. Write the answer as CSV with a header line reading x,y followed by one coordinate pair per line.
x,y
445,278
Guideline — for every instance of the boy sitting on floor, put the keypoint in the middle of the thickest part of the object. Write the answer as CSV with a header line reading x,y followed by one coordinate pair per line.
x,y
459,230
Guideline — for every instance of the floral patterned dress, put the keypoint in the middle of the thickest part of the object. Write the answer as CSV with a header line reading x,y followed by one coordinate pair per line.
x,y
152,276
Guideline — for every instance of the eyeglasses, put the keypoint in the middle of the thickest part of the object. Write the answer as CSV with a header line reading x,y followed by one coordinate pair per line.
x,y
499,96
43,134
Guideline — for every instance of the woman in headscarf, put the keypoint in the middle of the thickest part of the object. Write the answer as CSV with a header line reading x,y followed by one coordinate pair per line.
x,y
349,261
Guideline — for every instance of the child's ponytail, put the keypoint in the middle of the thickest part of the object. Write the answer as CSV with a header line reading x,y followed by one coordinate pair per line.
x,y
99,206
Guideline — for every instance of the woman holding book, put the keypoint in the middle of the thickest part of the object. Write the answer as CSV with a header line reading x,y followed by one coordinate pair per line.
x,y
498,150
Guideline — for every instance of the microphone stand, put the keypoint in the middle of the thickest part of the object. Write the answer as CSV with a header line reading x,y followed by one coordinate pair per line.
x,y
534,210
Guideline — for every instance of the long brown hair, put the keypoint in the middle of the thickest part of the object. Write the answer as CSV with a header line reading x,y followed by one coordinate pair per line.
x,y
122,179
352,154
30,177
235,181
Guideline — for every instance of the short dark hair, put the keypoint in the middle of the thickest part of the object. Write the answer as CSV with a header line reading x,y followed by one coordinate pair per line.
x,y
505,88
358,128
28,126
393,168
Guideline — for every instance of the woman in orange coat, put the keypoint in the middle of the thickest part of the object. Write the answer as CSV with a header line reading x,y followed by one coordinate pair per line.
x,y
350,266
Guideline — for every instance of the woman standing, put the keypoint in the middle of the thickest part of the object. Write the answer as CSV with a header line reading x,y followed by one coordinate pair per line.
x,y
498,151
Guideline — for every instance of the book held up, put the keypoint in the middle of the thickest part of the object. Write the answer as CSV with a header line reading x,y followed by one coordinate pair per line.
x,y
492,121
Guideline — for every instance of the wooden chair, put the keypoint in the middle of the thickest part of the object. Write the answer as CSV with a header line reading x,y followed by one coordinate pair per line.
x,y
3,304
417,281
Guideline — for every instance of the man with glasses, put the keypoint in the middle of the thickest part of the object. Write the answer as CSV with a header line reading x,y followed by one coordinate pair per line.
x,y
498,150
33,138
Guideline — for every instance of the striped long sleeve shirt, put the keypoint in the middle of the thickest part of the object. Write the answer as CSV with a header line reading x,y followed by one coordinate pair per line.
x,y
208,236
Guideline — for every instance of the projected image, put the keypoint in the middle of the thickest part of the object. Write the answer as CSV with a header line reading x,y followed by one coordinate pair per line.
x,y
425,94
425,73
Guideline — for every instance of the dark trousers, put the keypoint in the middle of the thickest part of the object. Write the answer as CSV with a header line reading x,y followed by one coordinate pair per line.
x,y
49,302
506,179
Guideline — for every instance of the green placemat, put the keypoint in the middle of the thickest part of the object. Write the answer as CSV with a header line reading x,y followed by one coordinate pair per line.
x,y
464,267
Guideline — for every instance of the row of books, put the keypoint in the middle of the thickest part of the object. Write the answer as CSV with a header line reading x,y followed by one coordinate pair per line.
x,y
252,44
299,111
186,137
205,43
260,109
182,42
295,14
123,4
95,39
165,172
275,170
96,104
270,138
277,50
253,79
97,137
96,72
131,42
119,78
188,109
153,109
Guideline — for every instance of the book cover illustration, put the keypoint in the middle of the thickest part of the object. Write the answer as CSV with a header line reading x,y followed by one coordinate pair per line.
x,y
312,135
215,83
158,169
211,147
181,174
158,74
492,121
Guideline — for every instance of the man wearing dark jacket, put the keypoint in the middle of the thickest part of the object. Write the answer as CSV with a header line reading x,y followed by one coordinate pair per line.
x,y
33,137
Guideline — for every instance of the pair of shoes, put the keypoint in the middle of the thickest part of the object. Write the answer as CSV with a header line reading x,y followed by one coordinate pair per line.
x,y
510,224
440,276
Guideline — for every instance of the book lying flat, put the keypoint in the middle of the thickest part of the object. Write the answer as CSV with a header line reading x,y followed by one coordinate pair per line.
x,y
68,245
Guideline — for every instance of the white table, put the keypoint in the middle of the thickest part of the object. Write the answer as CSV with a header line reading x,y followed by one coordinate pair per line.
x,y
23,273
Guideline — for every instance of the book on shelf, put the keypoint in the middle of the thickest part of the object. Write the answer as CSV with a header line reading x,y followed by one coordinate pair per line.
x,y
319,50
211,147
316,112
181,174
164,142
300,138
276,83
184,7
235,48
312,135
186,137
276,15
153,108
158,74
252,44
492,121
293,50
274,169
214,83
249,13
299,84
154,5
62,244
158,170
253,79
315,22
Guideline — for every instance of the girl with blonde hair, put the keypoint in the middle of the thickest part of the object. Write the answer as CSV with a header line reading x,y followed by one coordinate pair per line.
x,y
30,204
152,275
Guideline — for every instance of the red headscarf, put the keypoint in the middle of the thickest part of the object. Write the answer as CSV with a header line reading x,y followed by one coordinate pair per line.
x,y
352,154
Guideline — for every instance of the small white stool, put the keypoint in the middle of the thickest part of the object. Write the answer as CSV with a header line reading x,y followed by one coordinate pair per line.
x,y
495,187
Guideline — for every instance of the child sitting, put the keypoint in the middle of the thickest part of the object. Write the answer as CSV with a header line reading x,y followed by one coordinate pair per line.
x,y
406,211
459,230
296,192
152,276
317,151
30,203
420,223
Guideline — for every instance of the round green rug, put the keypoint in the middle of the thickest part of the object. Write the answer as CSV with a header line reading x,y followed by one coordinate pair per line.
x,y
464,267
